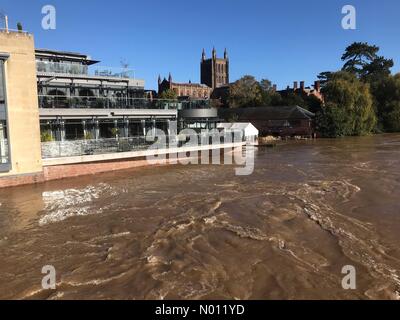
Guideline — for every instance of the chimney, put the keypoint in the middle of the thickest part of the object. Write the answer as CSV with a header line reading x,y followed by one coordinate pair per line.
x,y
317,86
302,85
295,85
274,88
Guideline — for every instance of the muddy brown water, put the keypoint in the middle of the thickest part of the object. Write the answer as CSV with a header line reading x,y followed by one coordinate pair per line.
x,y
200,232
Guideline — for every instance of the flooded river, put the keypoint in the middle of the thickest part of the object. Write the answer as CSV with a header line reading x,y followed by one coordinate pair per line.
x,y
200,232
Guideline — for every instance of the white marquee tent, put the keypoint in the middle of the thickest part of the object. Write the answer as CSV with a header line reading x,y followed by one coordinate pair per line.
x,y
250,131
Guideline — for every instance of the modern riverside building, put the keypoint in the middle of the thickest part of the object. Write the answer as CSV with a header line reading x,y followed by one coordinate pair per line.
x,y
78,100
61,116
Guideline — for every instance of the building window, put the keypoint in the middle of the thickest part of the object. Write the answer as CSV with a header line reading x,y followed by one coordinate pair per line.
x,y
4,141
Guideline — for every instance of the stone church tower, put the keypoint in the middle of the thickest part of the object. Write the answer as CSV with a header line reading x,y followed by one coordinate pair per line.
x,y
214,71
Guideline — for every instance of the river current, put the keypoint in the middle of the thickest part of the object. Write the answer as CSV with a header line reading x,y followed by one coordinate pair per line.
x,y
201,232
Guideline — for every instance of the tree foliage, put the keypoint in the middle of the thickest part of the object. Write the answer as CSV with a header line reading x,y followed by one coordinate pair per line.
x,y
361,98
332,121
248,92
364,97
168,95
349,107
386,94
362,60
245,92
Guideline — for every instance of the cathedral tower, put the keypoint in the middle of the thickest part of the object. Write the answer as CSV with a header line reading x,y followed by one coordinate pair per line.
x,y
214,71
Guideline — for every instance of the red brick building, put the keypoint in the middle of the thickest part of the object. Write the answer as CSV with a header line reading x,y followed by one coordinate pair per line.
x,y
304,91
189,90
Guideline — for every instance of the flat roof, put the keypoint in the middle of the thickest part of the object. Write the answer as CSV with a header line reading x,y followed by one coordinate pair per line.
x,y
67,55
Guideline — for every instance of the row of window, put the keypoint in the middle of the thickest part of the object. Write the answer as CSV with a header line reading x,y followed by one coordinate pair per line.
x,y
221,67
221,79
192,93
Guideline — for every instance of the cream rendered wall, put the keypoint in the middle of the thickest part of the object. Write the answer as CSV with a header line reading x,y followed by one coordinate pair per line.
x,y
22,103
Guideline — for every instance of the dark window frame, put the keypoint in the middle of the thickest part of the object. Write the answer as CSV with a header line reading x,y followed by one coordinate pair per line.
x,y
5,167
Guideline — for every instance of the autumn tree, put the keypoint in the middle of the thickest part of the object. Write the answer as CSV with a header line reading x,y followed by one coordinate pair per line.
x,y
245,92
168,95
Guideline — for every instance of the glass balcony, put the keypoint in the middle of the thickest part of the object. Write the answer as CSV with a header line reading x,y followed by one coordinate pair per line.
x,y
56,102
81,69
61,68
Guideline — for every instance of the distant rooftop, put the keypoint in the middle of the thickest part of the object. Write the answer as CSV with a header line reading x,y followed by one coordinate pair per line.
x,y
65,55
191,84
268,113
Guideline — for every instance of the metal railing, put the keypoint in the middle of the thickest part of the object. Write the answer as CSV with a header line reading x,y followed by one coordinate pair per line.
x,y
61,67
112,72
60,149
55,102
8,30
84,70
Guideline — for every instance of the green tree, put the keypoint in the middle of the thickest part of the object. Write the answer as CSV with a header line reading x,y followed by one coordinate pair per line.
x,y
332,122
292,99
245,92
386,94
324,77
308,102
19,27
377,70
348,100
362,60
357,56
269,96
168,95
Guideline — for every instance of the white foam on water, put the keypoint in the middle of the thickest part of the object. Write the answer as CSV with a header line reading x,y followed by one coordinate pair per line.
x,y
63,204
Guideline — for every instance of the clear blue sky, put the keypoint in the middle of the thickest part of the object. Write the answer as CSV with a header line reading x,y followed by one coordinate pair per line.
x,y
279,40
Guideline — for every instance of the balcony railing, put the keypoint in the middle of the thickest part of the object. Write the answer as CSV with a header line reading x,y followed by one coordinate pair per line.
x,y
60,149
4,30
46,101
83,70
112,72
61,68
